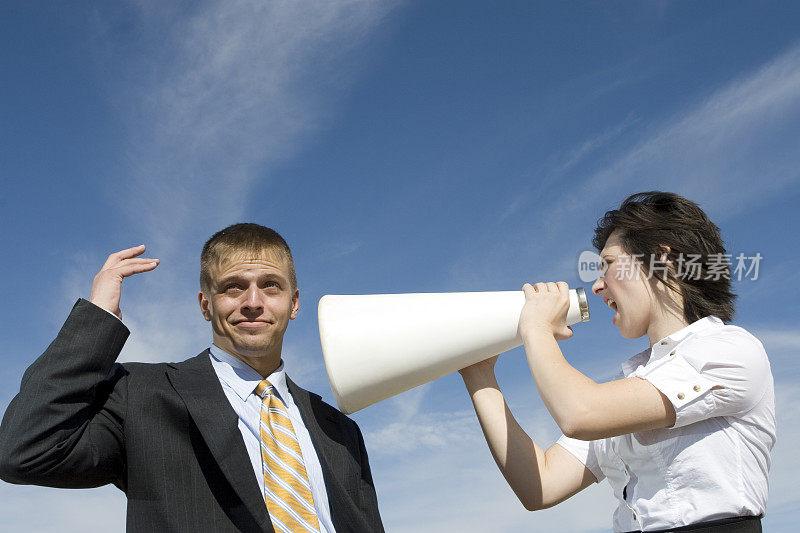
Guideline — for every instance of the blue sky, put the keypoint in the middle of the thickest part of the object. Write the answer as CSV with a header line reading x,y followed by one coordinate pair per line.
x,y
399,147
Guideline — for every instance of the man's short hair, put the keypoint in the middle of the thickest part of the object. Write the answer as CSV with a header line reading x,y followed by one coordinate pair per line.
x,y
242,238
649,220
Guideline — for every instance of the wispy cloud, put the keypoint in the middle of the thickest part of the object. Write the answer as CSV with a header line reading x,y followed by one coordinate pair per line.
x,y
213,97
335,250
448,477
782,346
425,432
785,461
780,339
729,152
579,153
68,511
439,464
220,93
549,173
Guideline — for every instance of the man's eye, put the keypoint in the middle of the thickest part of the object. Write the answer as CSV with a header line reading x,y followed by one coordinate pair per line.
x,y
232,288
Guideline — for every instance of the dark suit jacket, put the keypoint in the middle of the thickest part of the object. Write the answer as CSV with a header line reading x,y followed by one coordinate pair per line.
x,y
163,433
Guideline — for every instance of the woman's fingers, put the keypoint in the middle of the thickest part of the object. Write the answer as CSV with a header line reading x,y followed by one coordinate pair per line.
x,y
551,286
564,334
528,290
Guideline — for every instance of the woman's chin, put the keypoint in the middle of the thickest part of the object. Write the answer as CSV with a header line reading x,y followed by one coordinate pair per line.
x,y
624,329
629,332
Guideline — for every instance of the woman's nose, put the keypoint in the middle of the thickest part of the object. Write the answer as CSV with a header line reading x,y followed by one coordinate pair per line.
x,y
598,285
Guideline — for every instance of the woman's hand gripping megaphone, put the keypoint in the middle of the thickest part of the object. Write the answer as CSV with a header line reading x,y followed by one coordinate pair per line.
x,y
545,310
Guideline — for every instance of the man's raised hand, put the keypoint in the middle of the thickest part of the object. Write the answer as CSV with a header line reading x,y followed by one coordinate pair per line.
x,y
107,284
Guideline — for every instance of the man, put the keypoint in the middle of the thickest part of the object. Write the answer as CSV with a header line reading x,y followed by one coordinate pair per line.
x,y
223,441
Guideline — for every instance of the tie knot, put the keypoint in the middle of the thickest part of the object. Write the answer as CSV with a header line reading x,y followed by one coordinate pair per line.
x,y
263,388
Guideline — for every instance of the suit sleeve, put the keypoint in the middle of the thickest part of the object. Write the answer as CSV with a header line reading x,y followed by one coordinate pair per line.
x,y
369,499
65,427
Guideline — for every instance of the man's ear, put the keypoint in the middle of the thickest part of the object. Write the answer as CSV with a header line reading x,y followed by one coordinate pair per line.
x,y
203,301
295,304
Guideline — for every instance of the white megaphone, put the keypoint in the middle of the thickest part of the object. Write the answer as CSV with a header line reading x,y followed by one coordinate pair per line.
x,y
379,345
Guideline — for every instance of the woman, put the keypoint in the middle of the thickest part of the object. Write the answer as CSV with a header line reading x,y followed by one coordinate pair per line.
x,y
684,432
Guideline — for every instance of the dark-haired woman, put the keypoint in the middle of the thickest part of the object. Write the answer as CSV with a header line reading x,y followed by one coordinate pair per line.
x,y
685,431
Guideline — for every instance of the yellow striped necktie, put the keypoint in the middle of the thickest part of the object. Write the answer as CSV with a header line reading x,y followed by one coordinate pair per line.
x,y
287,491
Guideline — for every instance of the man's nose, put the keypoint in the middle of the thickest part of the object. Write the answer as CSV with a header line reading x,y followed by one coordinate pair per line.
x,y
252,299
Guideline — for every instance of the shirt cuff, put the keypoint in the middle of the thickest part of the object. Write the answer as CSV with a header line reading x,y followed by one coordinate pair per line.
x,y
685,387
583,451
107,311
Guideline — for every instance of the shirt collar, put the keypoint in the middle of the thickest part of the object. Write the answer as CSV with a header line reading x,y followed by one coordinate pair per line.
x,y
668,343
243,378
695,327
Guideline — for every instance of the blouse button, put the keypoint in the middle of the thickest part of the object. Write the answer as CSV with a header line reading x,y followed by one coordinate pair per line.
x,y
681,396
663,342
672,352
697,388
634,516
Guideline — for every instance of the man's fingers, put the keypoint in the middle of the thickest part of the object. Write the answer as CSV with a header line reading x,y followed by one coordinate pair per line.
x,y
128,253
126,262
137,261
132,267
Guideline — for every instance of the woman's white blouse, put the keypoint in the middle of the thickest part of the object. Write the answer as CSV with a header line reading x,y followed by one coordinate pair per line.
x,y
713,463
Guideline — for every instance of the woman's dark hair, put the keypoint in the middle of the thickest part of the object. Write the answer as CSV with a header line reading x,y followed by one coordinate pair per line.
x,y
700,269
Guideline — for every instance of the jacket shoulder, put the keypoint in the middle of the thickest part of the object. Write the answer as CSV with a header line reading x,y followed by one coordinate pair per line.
x,y
145,370
320,407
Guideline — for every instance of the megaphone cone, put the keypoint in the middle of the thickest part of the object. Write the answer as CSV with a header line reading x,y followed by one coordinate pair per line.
x,y
379,345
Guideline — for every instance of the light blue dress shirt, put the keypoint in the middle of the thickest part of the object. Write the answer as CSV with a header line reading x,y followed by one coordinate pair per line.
x,y
239,381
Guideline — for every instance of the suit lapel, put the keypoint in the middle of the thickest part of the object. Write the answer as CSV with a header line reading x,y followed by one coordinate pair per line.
x,y
199,388
323,427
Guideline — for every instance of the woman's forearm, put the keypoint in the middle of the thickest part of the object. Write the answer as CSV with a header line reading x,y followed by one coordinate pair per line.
x,y
569,396
520,460
587,410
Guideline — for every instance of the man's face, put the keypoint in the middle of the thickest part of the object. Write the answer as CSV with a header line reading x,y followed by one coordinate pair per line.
x,y
249,304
